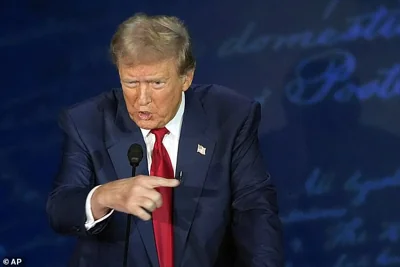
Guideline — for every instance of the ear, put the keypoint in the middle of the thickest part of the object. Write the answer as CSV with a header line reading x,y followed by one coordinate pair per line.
x,y
187,80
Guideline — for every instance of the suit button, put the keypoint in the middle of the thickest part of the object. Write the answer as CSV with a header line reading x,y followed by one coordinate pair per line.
x,y
76,228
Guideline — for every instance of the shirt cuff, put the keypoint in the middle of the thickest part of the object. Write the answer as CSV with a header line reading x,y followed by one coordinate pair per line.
x,y
90,222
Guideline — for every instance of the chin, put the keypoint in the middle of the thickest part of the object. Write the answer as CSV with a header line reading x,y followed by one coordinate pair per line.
x,y
147,125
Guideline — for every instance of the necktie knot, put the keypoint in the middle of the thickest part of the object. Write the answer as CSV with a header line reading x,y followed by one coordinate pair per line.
x,y
160,133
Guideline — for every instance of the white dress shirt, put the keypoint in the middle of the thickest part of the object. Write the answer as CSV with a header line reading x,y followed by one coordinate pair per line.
x,y
170,141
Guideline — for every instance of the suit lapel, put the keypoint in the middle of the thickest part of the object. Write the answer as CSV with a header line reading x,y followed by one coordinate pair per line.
x,y
122,132
194,165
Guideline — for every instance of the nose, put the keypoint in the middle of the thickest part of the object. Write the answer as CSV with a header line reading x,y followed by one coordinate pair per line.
x,y
144,94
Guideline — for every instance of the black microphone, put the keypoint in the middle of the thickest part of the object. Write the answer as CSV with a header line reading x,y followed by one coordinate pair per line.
x,y
135,156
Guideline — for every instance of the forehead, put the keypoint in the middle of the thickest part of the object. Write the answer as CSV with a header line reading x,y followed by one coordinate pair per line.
x,y
165,69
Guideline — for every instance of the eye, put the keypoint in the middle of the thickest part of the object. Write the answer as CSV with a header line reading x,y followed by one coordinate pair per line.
x,y
158,84
132,84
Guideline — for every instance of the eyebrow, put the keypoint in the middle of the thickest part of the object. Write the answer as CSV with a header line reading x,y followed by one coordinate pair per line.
x,y
146,80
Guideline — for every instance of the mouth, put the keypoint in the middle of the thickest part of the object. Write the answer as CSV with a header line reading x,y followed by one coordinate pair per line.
x,y
144,115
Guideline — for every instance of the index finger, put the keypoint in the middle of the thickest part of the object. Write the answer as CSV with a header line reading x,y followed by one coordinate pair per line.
x,y
155,181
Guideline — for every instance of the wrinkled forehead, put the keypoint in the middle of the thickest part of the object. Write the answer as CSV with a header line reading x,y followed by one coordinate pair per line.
x,y
149,70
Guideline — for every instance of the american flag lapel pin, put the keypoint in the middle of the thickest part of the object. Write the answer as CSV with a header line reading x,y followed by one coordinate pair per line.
x,y
201,149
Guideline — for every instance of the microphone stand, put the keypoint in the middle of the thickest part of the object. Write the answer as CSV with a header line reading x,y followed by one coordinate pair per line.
x,y
128,228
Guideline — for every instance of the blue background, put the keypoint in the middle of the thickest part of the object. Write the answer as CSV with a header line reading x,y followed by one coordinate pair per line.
x,y
327,73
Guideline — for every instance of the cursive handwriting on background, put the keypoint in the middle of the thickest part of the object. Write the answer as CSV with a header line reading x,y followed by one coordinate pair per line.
x,y
381,23
335,79
340,64
344,233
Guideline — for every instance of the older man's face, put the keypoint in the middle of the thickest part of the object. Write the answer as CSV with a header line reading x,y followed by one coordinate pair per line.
x,y
153,92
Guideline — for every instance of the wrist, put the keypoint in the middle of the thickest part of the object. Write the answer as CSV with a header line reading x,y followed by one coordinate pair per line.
x,y
98,205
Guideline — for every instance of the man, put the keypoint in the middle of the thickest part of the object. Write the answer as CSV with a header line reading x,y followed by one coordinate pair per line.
x,y
223,212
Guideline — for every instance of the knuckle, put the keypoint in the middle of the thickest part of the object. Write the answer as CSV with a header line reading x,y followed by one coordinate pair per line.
x,y
137,211
158,196
147,203
142,214
151,205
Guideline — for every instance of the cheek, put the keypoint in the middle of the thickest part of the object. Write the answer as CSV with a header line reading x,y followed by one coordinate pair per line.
x,y
165,103
130,99
161,99
129,94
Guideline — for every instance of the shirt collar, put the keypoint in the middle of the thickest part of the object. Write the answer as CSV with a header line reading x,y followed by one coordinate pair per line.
x,y
174,125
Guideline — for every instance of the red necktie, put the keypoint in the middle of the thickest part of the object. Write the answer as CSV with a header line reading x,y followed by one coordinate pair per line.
x,y
162,217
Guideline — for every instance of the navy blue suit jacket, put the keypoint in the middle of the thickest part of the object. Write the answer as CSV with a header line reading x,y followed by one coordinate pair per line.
x,y
225,210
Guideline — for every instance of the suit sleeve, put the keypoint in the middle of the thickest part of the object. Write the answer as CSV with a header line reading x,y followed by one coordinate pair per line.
x,y
75,179
257,228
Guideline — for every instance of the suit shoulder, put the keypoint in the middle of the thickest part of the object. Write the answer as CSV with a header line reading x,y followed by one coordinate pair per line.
x,y
91,108
224,99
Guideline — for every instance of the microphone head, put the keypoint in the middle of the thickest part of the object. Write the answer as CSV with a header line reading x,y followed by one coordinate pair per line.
x,y
135,154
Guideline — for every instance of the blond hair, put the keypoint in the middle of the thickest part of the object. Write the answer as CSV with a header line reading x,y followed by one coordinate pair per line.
x,y
148,39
